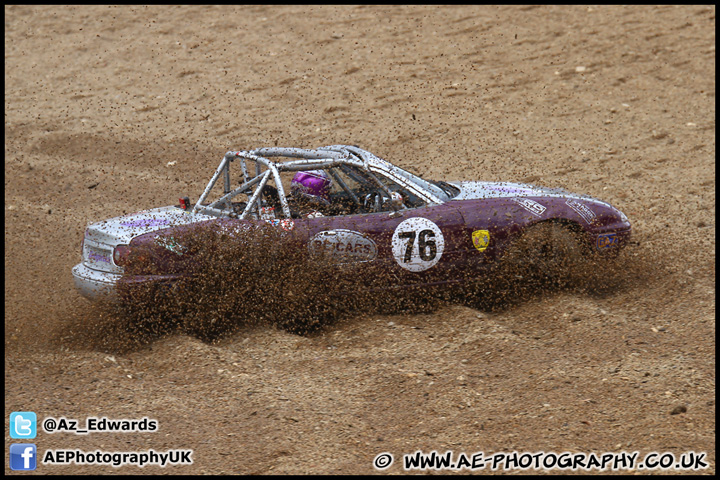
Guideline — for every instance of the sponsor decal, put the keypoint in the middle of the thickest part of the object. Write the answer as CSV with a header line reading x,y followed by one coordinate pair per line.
x,y
146,222
97,255
530,205
285,224
267,213
343,246
582,210
607,241
481,239
417,244
170,244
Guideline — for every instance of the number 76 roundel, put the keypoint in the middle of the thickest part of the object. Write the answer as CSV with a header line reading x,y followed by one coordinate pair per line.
x,y
417,244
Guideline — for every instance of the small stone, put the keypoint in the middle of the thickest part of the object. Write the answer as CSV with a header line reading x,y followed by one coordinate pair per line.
x,y
170,164
580,69
678,410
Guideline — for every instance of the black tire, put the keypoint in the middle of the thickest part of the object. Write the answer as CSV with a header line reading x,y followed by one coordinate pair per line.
x,y
548,252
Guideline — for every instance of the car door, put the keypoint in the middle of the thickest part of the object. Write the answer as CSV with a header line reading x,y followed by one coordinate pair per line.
x,y
414,246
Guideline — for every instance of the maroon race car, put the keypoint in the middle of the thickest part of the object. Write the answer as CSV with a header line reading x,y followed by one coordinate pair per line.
x,y
348,206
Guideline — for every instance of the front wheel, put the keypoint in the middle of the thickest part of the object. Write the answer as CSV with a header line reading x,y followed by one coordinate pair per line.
x,y
546,252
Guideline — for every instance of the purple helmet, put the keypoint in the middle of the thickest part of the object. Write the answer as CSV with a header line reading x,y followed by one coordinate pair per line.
x,y
312,183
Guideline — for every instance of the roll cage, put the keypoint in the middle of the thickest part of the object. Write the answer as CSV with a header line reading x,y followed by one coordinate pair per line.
x,y
271,162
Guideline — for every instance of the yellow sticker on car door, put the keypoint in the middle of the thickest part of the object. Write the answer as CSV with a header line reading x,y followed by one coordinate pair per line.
x,y
481,239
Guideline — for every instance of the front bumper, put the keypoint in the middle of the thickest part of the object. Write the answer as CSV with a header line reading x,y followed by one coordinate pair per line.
x,y
94,283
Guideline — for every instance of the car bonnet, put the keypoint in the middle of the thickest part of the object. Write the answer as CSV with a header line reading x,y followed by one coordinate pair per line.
x,y
481,190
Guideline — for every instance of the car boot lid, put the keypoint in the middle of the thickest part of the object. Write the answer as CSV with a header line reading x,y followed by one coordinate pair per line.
x,y
120,230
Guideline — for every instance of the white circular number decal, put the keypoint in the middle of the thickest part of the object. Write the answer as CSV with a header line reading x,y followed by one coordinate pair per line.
x,y
417,244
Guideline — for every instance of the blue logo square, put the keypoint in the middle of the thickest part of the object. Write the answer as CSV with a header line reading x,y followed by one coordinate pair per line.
x,y
23,456
23,425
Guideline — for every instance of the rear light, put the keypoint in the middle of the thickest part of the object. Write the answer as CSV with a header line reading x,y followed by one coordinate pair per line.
x,y
184,203
121,254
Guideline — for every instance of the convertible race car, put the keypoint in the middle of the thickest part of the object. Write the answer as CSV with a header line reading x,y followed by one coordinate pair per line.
x,y
350,207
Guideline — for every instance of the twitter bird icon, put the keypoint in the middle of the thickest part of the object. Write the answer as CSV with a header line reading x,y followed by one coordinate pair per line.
x,y
23,425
